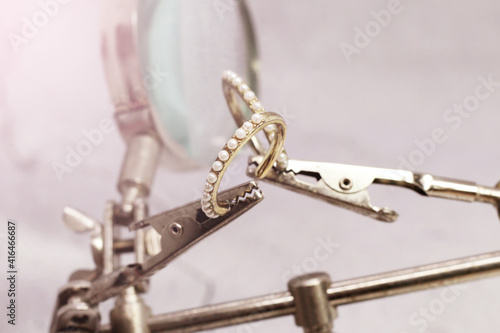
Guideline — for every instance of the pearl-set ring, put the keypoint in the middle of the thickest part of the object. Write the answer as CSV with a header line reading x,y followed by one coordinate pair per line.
x,y
273,125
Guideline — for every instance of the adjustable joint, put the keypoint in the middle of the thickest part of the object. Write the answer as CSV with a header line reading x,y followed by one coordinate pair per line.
x,y
313,312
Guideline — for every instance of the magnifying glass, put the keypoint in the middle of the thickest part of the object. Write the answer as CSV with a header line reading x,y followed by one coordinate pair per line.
x,y
163,60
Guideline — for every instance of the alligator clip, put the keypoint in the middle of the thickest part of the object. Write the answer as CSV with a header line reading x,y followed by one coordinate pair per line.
x,y
346,186
341,185
180,228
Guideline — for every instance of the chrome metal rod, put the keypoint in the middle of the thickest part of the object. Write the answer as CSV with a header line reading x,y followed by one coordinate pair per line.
x,y
137,173
415,279
123,246
339,293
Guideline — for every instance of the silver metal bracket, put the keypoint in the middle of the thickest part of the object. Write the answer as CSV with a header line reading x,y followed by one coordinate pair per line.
x,y
346,186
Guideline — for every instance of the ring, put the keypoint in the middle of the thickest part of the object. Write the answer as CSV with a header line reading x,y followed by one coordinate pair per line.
x,y
233,85
259,121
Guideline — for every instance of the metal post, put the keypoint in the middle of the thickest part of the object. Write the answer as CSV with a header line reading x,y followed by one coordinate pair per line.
x,y
138,170
130,313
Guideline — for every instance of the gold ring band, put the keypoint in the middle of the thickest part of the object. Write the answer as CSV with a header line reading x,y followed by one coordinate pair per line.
x,y
259,121
234,86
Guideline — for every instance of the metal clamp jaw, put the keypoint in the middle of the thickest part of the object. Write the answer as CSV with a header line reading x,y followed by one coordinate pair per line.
x,y
180,228
346,186
185,226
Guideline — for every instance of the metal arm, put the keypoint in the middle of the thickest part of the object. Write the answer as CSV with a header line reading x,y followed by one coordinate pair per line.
x,y
347,185
339,293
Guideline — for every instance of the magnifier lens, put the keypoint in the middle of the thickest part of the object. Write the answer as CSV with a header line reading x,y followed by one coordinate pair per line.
x,y
184,47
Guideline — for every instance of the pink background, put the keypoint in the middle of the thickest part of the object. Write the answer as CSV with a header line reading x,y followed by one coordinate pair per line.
x,y
369,111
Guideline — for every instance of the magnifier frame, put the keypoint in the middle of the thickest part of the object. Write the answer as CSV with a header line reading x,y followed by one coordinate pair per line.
x,y
134,112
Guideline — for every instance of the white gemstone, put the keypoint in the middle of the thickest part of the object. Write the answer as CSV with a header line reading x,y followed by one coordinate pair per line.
x,y
257,118
206,196
207,210
211,214
256,106
208,187
223,156
271,128
217,166
249,96
282,157
243,87
232,144
247,126
271,136
237,81
231,75
205,204
251,170
211,178
240,133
